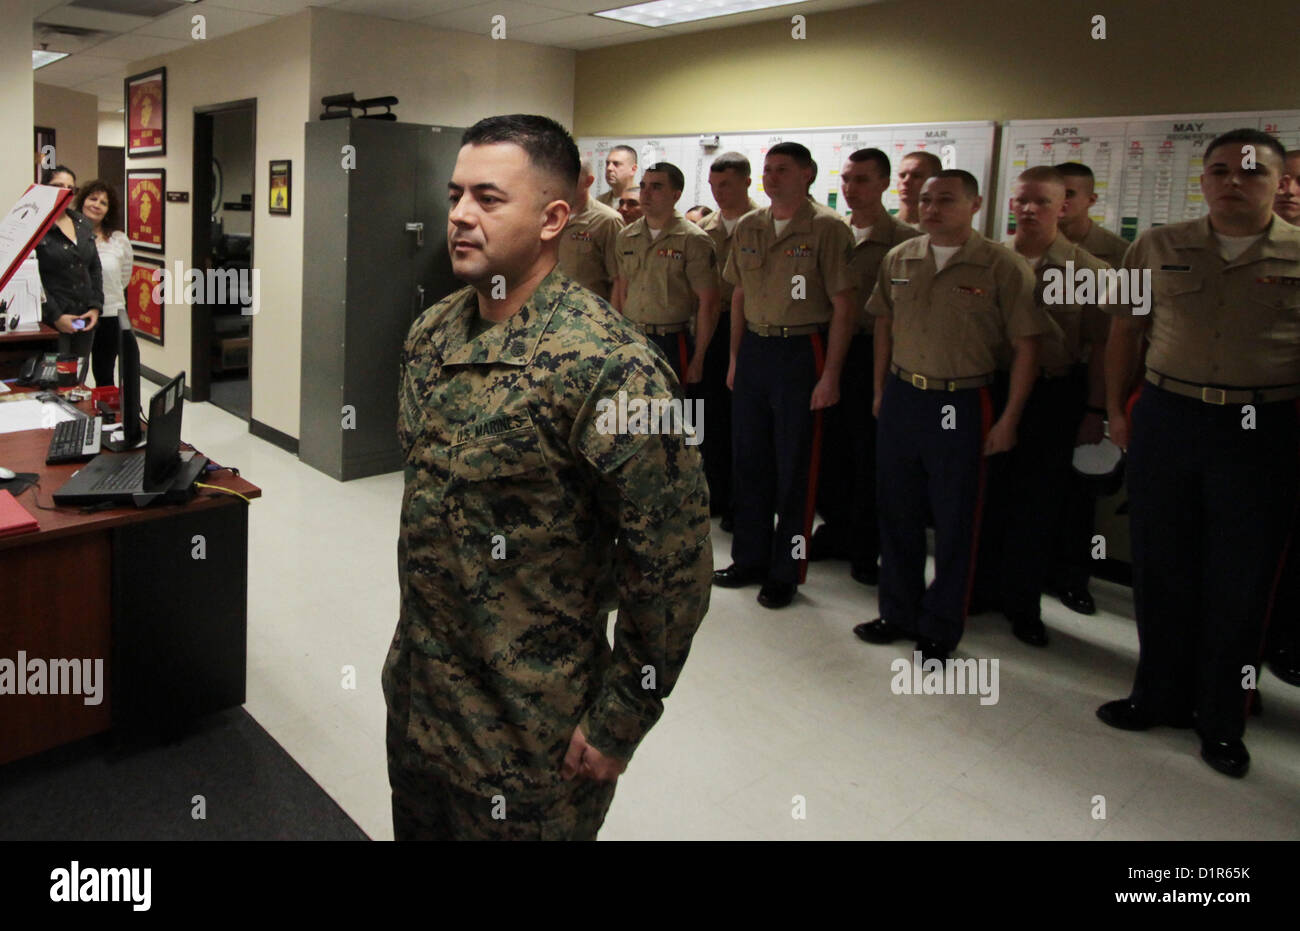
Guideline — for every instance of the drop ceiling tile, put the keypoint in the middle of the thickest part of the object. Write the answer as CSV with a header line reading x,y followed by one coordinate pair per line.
x,y
220,22
478,18
271,7
92,19
133,46
403,10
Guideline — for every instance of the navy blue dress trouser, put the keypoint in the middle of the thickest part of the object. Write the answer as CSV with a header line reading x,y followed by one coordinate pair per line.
x,y
930,458
846,486
772,437
1211,505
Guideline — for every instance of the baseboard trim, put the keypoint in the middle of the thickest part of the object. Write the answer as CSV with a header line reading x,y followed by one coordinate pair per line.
x,y
283,440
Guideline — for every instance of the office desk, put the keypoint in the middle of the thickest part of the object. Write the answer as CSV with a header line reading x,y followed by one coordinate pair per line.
x,y
159,594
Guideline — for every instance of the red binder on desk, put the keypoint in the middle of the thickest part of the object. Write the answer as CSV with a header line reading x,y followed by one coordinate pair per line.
x,y
14,518
26,223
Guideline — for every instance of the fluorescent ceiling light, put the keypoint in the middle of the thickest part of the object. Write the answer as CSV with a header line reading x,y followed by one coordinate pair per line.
x,y
670,12
41,58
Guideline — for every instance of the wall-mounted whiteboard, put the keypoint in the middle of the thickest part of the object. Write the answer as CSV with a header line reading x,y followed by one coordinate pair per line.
x,y
966,145
1147,167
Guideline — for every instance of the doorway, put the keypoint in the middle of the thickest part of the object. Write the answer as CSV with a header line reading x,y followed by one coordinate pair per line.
x,y
221,335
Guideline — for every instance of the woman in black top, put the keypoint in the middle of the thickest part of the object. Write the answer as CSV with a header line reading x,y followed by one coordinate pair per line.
x,y
71,274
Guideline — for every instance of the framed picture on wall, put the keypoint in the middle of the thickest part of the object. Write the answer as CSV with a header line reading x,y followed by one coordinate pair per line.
x,y
146,202
146,113
45,157
280,186
145,314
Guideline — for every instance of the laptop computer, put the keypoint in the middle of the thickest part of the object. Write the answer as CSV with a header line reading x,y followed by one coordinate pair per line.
x,y
145,476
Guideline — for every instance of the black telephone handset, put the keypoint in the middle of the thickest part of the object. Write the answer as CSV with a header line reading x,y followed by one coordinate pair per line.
x,y
40,371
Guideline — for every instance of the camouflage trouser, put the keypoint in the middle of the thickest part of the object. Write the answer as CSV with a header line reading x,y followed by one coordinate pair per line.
x,y
427,807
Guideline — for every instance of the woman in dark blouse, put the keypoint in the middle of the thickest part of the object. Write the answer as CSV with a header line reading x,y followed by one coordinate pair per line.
x,y
71,274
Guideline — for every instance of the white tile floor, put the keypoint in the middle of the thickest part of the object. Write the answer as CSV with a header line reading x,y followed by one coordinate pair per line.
x,y
771,705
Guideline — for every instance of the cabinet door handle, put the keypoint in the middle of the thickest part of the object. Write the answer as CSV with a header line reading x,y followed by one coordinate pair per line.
x,y
418,230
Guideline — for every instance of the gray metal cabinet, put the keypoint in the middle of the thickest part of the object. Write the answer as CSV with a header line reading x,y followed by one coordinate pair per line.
x,y
374,256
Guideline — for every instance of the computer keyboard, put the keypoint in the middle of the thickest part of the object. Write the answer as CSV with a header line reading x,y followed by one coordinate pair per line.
x,y
75,440
129,476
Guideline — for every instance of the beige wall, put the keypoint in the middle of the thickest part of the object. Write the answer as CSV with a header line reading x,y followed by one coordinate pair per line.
x,y
933,60
270,63
16,161
112,129
75,119
449,78
287,65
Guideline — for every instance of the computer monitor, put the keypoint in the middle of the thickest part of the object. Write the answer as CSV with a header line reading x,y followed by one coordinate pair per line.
x,y
128,354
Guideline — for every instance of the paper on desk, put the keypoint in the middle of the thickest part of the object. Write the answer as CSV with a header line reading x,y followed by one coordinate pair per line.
x,y
31,415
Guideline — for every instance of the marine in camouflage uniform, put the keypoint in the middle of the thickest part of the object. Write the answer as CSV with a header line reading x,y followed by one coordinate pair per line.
x,y
519,515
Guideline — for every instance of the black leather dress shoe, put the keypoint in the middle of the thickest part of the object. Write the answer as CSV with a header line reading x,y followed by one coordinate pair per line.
x,y
866,574
735,577
1030,630
932,650
776,594
1127,715
1078,600
880,631
1227,756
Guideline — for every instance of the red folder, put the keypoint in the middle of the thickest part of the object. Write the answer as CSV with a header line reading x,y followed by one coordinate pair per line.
x,y
16,259
14,517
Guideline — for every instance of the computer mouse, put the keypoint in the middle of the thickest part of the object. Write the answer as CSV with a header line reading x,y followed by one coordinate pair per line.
x,y
6,474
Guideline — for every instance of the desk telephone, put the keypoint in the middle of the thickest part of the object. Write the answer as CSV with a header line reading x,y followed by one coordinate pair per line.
x,y
43,370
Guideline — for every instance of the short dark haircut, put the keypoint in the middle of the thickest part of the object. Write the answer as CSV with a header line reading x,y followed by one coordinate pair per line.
x,y
802,157
873,157
929,159
549,146
49,173
1043,173
968,182
1076,170
813,163
112,221
624,148
1245,137
675,177
732,161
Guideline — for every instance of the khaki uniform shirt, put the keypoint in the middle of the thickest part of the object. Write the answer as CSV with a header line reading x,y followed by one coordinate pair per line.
x,y
587,253
717,230
1226,324
953,323
1105,245
523,502
815,245
1081,328
664,274
867,256
609,200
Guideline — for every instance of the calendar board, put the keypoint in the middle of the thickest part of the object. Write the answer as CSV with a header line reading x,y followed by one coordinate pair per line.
x,y
1147,168
967,145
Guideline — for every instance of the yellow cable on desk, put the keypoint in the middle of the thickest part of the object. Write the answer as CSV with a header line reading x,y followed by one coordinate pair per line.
x,y
229,491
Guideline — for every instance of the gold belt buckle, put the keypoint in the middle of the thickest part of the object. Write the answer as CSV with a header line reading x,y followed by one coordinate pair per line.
x,y
1208,398
920,381
785,332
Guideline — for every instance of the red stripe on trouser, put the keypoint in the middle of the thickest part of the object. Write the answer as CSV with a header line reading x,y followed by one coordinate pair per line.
x,y
814,461
681,354
986,422
1287,547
